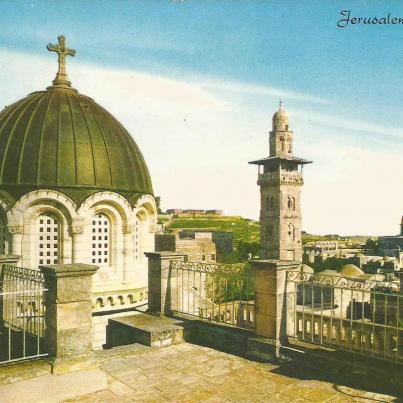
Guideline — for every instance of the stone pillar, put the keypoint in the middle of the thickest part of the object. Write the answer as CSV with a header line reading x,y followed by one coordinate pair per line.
x,y
16,232
274,301
68,316
401,281
128,246
163,290
78,243
11,260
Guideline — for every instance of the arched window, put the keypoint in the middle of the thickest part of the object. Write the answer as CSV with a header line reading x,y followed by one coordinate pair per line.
x,y
99,303
324,330
143,235
300,325
316,328
363,339
293,203
289,203
291,231
48,239
308,327
334,332
4,236
282,143
101,240
269,230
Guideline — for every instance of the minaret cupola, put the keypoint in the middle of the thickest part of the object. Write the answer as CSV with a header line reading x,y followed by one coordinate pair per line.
x,y
281,137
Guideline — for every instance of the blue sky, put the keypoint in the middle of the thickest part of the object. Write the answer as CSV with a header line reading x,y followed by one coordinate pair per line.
x,y
342,87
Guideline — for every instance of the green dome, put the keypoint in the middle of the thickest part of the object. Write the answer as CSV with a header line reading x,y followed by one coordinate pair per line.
x,y
351,270
59,139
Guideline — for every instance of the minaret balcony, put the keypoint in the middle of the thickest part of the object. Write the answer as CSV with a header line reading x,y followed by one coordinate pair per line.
x,y
284,178
291,178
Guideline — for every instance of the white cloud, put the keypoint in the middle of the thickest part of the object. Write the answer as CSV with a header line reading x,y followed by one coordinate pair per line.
x,y
197,144
265,90
338,122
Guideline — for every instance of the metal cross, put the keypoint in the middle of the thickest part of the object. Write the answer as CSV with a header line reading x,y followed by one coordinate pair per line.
x,y
62,52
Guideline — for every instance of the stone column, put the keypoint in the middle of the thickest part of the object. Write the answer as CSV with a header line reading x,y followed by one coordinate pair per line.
x,y
128,246
274,301
68,316
16,232
78,244
163,290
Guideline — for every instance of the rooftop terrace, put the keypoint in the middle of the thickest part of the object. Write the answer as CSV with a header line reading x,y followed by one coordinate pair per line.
x,y
191,373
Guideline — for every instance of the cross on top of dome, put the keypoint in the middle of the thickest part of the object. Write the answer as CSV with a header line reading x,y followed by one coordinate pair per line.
x,y
62,51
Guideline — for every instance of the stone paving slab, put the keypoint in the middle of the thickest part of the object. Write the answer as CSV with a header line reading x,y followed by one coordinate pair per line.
x,y
54,388
190,373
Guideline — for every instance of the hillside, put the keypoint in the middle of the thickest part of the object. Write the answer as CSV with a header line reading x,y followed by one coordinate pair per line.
x,y
243,229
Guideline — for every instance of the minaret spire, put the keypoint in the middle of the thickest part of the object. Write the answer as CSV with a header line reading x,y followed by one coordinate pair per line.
x,y
62,51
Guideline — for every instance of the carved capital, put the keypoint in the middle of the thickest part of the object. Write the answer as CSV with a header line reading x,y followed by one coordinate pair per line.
x,y
77,227
127,229
153,228
16,229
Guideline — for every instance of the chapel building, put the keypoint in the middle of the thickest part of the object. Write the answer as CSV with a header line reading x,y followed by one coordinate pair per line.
x,y
75,188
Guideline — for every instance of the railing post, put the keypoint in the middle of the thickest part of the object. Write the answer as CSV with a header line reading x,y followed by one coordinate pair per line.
x,y
274,301
163,291
11,260
68,316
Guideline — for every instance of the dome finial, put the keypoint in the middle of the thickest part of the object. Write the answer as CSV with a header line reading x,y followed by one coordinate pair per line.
x,y
281,105
61,79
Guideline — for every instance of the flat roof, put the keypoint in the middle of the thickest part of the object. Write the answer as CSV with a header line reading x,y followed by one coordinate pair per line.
x,y
276,158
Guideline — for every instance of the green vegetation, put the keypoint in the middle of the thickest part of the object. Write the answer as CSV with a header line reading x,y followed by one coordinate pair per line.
x,y
246,234
331,263
242,228
231,283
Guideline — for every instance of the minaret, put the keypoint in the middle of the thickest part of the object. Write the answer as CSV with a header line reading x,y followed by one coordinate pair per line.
x,y
280,180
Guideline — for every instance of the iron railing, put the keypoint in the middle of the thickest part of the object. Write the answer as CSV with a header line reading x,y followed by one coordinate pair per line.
x,y
220,293
357,314
22,314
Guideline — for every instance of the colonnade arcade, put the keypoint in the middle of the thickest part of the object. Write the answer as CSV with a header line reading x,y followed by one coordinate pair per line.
x,y
47,227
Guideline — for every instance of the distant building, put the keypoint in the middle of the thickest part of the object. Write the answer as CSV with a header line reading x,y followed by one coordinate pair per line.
x,y
222,239
194,211
177,211
197,249
392,245
326,245
214,212
174,211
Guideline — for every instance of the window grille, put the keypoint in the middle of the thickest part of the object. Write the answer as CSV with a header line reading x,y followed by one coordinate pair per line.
x,y
48,239
100,240
136,240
